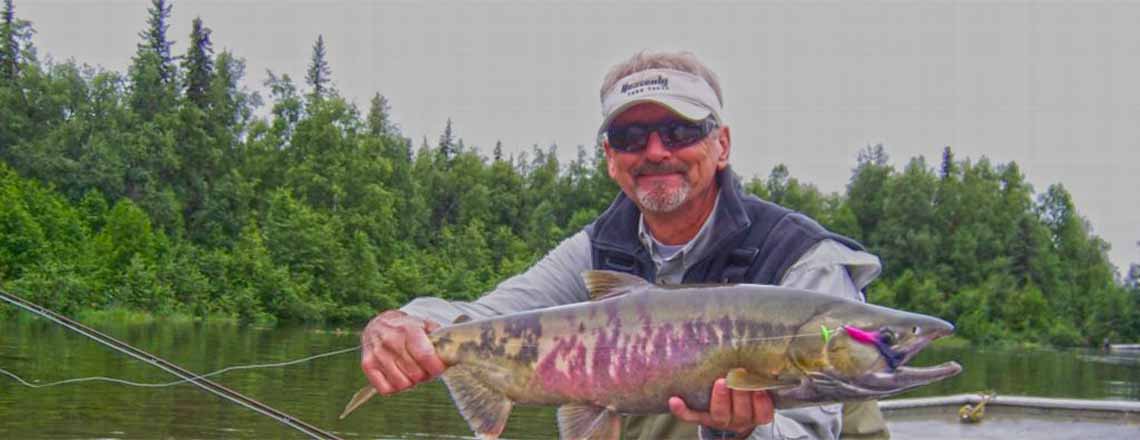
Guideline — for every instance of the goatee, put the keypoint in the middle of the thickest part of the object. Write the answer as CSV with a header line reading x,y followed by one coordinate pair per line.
x,y
661,199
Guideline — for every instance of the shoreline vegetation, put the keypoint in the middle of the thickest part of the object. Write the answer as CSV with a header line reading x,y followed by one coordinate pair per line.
x,y
163,193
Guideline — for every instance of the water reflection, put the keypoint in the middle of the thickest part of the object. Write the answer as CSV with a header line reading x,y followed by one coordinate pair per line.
x,y
316,391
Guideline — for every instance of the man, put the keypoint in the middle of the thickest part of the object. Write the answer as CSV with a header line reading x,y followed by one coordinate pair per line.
x,y
681,218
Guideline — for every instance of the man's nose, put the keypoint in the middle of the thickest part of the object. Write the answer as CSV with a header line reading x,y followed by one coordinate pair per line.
x,y
655,150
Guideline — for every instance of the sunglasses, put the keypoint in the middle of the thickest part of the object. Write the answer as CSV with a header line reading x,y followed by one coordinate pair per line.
x,y
674,134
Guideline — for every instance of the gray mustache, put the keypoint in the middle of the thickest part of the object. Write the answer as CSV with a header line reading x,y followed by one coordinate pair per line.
x,y
659,168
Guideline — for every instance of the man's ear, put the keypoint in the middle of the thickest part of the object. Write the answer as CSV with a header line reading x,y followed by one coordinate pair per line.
x,y
725,142
611,164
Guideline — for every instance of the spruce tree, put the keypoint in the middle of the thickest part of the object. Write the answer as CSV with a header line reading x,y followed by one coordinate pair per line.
x,y
152,71
9,48
319,73
447,142
154,38
199,64
379,121
949,168
16,46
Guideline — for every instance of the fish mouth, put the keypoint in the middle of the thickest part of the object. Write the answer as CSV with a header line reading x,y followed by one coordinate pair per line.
x,y
901,377
909,351
876,385
905,378
906,352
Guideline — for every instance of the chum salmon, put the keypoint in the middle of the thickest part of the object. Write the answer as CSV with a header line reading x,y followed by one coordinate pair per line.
x,y
636,344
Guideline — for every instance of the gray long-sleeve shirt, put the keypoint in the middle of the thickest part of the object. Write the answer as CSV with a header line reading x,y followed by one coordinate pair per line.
x,y
828,267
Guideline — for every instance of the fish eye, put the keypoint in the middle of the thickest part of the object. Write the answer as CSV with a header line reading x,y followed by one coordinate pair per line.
x,y
916,330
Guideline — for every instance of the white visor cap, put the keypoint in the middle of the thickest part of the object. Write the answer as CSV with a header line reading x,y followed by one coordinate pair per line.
x,y
687,95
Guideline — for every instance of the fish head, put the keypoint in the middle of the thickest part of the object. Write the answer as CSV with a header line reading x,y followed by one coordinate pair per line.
x,y
864,355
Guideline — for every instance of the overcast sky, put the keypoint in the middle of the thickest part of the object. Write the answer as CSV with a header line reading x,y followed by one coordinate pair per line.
x,y
1050,85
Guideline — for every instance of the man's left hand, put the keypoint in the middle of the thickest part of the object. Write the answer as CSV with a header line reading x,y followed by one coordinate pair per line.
x,y
729,410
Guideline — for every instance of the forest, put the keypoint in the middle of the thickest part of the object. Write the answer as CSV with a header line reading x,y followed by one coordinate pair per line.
x,y
173,188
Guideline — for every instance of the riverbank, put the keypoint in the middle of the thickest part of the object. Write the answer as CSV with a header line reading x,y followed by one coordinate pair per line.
x,y
124,316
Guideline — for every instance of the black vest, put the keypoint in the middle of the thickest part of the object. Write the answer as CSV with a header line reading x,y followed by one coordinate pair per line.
x,y
753,241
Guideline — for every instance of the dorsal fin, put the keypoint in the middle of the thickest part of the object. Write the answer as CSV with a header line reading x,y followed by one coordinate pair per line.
x,y
607,283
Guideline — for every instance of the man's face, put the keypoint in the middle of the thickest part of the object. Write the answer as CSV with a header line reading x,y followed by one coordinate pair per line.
x,y
661,180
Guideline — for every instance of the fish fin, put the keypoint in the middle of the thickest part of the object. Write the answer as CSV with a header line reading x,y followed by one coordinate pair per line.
x,y
461,318
740,379
357,399
485,409
580,421
607,283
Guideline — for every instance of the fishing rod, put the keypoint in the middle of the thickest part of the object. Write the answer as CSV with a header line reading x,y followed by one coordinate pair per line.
x,y
198,381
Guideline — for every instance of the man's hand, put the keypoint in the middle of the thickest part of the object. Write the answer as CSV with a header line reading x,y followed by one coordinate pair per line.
x,y
397,353
729,410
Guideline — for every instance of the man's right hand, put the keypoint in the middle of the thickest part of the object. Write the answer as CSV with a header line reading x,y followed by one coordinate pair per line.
x,y
396,352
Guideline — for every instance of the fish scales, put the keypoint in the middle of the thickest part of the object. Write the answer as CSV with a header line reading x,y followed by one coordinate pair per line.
x,y
616,353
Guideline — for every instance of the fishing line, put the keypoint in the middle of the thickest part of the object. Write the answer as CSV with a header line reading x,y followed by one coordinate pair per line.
x,y
177,382
826,333
205,384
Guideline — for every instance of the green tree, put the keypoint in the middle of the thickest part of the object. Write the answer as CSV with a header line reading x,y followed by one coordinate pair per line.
x,y
261,290
906,234
152,70
319,74
447,143
199,65
16,55
379,117
287,109
866,191
9,44
127,234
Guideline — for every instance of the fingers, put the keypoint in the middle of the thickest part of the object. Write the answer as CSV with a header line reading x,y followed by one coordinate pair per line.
x,y
397,353
720,404
386,365
763,412
732,410
742,406
682,411
720,408
423,353
407,365
375,377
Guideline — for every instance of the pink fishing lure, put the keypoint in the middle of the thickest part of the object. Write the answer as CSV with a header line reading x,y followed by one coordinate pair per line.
x,y
863,336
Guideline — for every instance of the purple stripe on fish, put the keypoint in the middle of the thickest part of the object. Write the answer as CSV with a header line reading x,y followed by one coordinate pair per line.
x,y
624,361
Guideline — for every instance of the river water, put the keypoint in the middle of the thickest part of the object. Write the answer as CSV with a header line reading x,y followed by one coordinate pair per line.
x,y
316,391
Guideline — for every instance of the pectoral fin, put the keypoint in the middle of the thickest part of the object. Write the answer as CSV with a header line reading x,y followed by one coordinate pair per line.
x,y
485,409
358,399
740,379
579,421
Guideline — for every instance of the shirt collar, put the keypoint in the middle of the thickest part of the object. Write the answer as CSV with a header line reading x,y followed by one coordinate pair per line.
x,y
696,244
